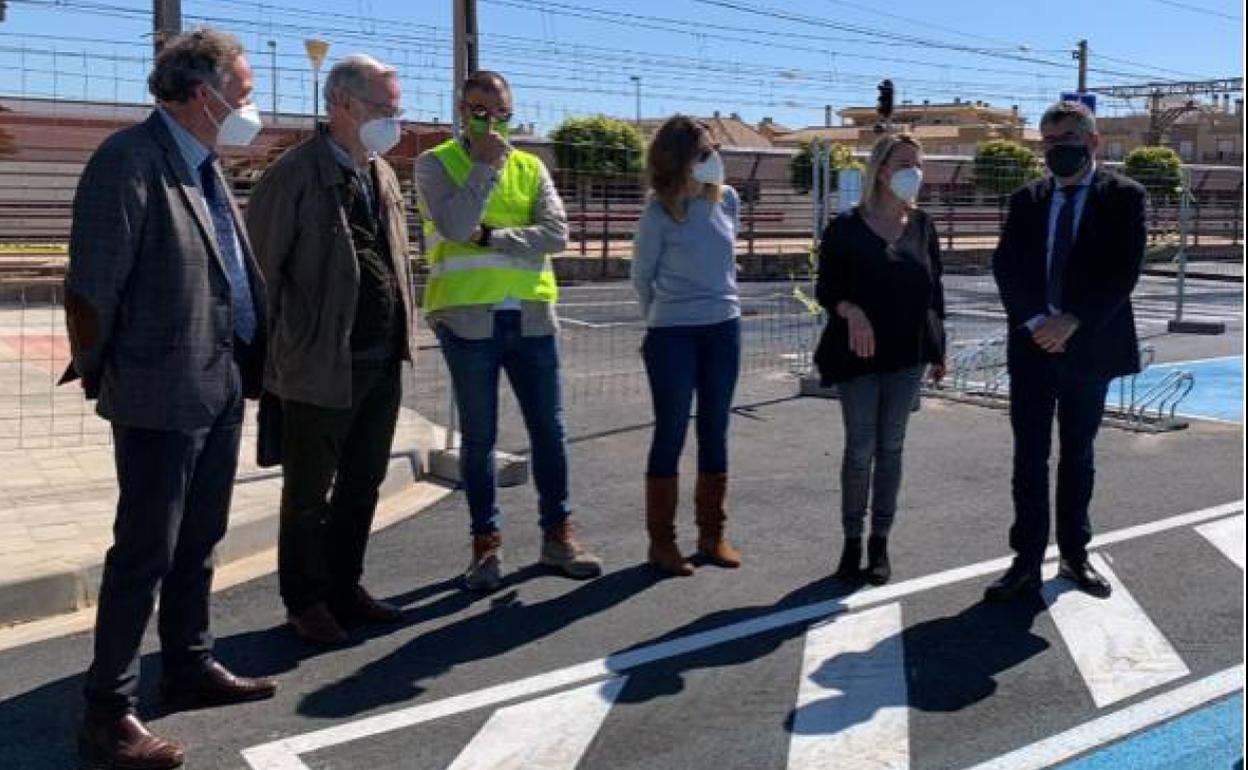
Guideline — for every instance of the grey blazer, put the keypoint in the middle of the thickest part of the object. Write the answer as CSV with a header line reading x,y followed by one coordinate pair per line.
x,y
147,297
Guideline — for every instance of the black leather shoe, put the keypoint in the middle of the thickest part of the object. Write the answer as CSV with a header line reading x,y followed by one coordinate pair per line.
x,y
850,567
1085,576
1015,584
879,570
213,685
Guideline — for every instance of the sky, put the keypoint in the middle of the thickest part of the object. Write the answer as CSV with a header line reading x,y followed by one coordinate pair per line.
x,y
757,58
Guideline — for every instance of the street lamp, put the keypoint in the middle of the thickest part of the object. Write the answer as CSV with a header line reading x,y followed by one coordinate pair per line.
x,y
637,90
317,49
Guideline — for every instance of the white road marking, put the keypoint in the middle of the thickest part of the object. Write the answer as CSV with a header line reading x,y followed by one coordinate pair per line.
x,y
284,754
1228,536
1120,724
851,703
550,733
1118,650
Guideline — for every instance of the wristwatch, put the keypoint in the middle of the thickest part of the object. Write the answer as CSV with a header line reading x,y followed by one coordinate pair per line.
x,y
484,238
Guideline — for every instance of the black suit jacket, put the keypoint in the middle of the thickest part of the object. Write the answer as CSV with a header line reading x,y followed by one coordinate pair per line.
x,y
147,293
1101,272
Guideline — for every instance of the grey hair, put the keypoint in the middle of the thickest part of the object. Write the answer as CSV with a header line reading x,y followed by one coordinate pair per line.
x,y
1060,111
192,59
352,74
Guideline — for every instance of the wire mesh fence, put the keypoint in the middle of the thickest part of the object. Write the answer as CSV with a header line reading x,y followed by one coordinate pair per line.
x,y
1195,225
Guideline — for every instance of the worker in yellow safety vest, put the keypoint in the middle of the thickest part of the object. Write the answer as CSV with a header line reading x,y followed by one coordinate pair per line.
x,y
492,219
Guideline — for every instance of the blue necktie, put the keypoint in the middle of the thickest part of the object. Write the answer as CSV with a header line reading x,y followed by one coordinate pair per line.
x,y
223,223
1063,239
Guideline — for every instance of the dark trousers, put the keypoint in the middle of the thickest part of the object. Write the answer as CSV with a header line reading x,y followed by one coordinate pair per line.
x,y
532,366
682,361
172,510
333,464
1040,386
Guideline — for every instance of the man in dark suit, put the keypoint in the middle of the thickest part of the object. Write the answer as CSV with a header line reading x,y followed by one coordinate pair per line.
x,y
1068,259
164,305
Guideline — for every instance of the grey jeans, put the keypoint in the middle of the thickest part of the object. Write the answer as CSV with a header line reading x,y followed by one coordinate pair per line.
x,y
875,409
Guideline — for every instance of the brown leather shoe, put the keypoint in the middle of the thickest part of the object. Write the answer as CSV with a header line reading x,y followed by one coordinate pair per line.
x,y
126,743
213,685
363,606
317,624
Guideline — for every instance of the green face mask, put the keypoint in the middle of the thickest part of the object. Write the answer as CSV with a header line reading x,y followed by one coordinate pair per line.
x,y
481,127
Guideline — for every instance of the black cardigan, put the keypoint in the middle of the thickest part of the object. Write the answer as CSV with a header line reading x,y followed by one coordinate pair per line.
x,y
897,286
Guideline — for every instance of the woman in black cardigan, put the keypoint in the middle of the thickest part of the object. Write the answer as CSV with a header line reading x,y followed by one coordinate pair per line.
x,y
880,281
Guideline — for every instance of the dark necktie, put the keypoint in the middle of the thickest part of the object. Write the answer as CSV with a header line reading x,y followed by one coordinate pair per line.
x,y
1063,239
223,224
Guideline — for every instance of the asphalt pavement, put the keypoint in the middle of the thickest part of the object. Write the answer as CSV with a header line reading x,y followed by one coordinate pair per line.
x,y
762,667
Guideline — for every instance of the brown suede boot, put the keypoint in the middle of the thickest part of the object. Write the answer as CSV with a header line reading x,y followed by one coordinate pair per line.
x,y
709,504
662,493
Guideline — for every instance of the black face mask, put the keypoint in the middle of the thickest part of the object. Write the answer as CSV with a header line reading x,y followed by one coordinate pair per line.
x,y
1066,160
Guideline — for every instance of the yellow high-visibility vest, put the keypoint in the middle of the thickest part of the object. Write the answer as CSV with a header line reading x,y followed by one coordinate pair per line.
x,y
467,274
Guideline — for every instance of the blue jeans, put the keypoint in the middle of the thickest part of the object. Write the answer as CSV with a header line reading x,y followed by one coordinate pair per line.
x,y
875,409
532,366
682,360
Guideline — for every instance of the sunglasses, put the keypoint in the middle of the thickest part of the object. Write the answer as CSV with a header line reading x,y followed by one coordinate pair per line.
x,y
485,114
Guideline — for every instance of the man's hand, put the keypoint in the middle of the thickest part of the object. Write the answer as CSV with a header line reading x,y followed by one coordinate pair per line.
x,y
1052,334
937,371
489,149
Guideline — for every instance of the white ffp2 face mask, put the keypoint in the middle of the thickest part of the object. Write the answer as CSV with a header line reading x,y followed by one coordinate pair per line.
x,y
380,135
240,127
710,171
905,184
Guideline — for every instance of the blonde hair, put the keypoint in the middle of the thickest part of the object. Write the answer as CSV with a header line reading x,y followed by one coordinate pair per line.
x,y
880,153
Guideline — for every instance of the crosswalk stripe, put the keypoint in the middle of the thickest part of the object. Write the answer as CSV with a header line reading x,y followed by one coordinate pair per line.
x,y
283,753
851,705
1117,648
1049,752
1228,536
550,733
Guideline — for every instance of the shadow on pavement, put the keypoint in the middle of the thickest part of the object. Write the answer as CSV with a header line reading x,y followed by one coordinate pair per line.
x,y
506,626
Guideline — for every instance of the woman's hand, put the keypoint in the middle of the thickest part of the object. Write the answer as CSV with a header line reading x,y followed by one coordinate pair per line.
x,y
938,371
861,334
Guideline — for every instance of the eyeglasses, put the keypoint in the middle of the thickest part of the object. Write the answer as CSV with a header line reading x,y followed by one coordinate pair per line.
x,y
381,108
480,111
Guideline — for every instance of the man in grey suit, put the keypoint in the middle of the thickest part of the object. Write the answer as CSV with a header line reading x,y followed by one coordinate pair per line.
x,y
164,306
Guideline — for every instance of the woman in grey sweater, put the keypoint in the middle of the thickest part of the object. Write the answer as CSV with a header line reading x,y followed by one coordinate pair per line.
x,y
684,272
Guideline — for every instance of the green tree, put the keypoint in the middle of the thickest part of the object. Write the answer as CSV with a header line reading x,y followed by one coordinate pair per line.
x,y
598,146
1158,169
1002,166
799,167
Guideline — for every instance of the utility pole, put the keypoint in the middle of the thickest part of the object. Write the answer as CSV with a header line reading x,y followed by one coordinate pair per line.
x,y
1081,53
637,89
166,21
465,49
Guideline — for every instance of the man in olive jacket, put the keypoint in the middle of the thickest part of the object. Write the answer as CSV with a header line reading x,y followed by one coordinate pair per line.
x,y
328,225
